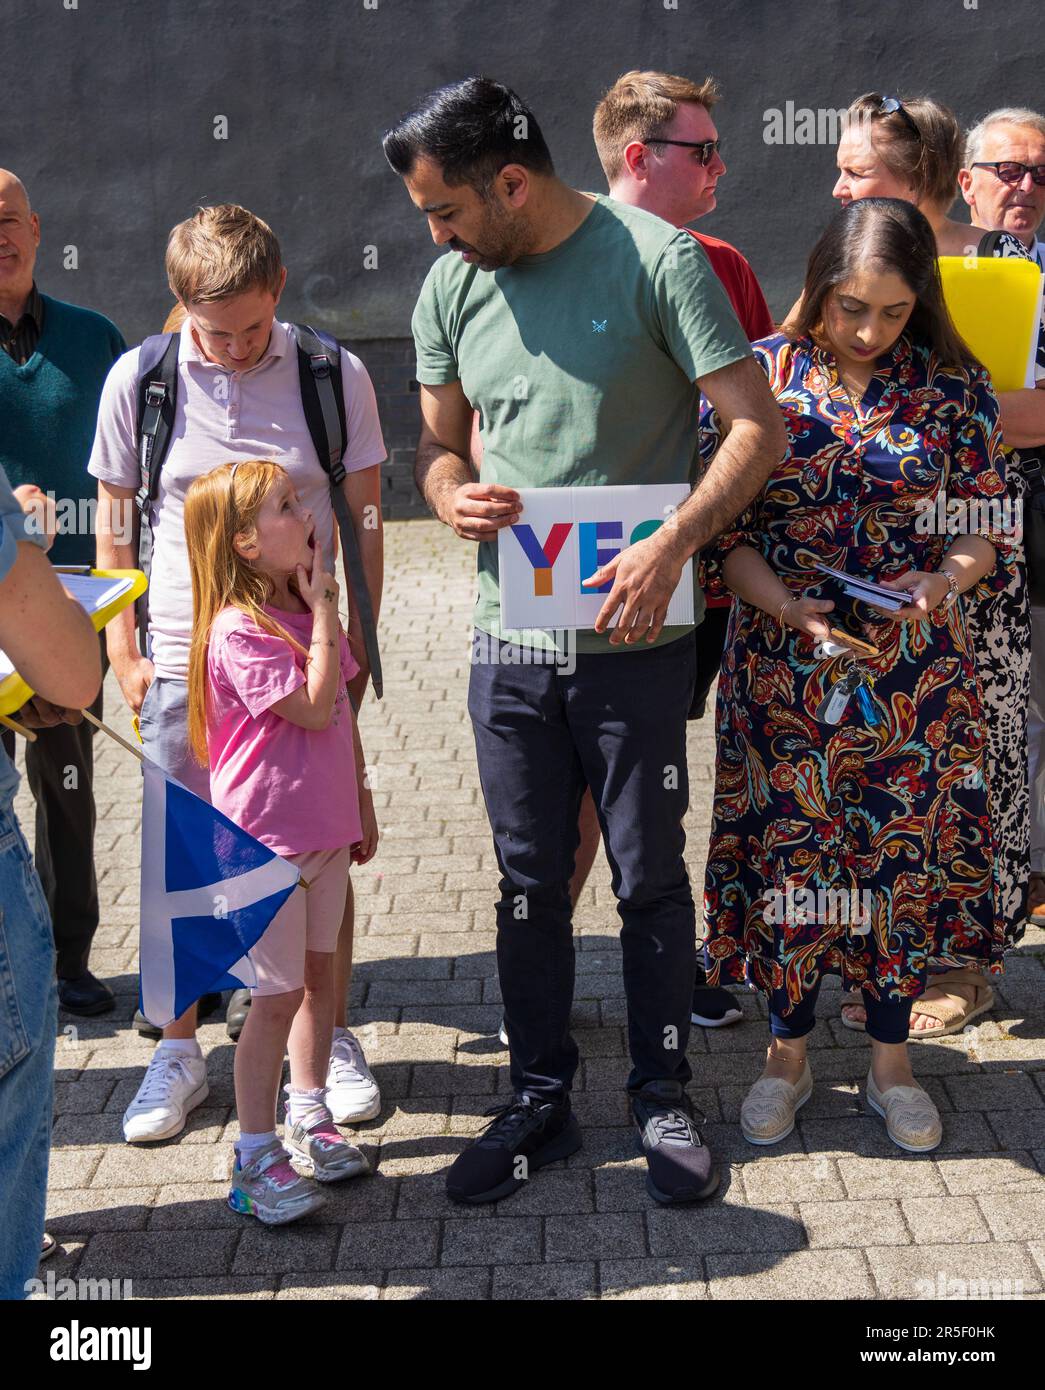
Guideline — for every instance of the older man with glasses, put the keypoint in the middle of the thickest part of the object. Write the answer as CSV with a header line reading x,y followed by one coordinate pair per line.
x,y
1003,177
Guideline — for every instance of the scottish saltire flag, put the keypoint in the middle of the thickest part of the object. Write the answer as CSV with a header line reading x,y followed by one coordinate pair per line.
x,y
208,891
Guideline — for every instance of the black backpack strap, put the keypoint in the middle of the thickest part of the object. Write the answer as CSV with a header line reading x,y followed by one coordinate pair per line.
x,y
323,399
157,394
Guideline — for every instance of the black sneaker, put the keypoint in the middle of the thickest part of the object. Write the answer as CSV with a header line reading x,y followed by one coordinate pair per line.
x,y
525,1128
714,1008
236,1013
208,1004
681,1168
86,996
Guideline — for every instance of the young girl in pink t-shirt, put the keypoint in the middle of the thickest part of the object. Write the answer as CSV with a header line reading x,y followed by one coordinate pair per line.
x,y
269,712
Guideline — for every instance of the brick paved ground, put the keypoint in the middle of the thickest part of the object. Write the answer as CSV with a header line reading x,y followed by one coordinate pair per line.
x,y
836,1211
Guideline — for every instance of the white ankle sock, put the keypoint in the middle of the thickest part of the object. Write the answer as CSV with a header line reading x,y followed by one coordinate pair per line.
x,y
184,1047
306,1107
248,1146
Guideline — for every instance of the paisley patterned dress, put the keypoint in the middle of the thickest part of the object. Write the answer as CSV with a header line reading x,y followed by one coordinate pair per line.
x,y
897,812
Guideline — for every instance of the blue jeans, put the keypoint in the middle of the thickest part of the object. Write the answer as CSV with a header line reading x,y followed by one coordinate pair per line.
x,y
28,1021
617,724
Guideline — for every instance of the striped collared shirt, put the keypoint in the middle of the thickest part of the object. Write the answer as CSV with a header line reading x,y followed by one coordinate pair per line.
x,y
19,340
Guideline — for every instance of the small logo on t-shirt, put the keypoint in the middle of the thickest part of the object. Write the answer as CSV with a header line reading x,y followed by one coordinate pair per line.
x,y
597,327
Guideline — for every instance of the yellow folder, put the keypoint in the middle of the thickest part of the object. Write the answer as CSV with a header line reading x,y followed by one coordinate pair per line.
x,y
13,690
995,303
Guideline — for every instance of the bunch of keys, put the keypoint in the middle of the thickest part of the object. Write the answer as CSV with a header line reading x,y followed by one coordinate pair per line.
x,y
855,680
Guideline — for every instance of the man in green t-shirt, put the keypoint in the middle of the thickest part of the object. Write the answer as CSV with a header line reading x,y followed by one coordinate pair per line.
x,y
579,328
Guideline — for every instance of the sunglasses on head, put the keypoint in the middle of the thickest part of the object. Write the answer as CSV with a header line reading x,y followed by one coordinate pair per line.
x,y
707,148
894,106
1011,171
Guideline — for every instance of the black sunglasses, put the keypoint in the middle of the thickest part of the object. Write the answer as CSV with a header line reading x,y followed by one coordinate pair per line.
x,y
1011,171
894,106
706,147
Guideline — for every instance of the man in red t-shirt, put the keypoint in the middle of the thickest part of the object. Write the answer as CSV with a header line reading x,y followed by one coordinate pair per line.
x,y
659,150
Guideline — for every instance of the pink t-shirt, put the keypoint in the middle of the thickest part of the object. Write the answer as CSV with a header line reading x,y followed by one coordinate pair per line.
x,y
293,789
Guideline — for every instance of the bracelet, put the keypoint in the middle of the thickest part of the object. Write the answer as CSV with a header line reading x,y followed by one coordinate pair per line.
x,y
780,615
952,587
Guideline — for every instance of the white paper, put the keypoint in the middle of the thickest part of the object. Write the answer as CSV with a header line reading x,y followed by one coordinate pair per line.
x,y
867,589
579,527
1031,378
93,592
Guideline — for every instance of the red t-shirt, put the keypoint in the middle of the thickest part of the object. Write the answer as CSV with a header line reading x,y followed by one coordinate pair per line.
x,y
741,284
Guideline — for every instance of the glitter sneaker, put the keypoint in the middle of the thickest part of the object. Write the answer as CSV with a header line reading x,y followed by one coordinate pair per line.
x,y
322,1153
269,1188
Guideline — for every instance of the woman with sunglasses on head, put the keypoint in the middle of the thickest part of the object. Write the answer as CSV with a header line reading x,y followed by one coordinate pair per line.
x,y
850,829
912,149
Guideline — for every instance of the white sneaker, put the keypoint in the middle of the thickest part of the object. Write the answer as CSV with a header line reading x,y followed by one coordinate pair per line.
x,y
352,1093
173,1085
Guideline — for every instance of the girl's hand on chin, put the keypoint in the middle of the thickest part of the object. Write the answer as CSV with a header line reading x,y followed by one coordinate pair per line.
x,y
318,589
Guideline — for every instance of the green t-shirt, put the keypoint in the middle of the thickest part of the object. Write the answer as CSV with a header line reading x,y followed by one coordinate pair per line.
x,y
582,363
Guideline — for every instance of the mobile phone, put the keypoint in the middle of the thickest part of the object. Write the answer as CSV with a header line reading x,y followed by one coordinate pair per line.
x,y
857,643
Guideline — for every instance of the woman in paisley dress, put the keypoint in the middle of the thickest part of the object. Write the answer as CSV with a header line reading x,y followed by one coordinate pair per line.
x,y
912,149
861,847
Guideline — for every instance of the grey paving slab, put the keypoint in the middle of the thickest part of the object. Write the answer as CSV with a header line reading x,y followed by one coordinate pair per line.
x,y
836,1211
805,1274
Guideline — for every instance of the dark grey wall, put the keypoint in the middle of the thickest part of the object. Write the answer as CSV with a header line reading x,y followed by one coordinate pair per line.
x,y
109,116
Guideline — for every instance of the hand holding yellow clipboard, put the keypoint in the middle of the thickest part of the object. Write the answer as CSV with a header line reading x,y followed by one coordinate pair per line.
x,y
13,689
995,302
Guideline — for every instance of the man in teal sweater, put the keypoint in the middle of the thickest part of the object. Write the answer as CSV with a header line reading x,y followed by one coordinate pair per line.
x,y
54,358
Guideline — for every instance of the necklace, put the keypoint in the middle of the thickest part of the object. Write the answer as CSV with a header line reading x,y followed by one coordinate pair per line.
x,y
849,396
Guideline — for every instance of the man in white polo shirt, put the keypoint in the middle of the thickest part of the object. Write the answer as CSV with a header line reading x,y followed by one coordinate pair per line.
x,y
238,396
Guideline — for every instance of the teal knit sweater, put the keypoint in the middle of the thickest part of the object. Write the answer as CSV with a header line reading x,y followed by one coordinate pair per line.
x,y
48,413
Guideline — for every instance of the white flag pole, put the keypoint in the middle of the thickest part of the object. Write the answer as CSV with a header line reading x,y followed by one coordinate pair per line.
x,y
113,734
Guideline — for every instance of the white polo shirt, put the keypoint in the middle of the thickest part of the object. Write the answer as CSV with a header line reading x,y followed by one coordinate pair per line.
x,y
221,416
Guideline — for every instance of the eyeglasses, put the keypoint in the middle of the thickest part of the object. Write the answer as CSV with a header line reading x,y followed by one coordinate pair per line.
x,y
1011,171
707,148
893,105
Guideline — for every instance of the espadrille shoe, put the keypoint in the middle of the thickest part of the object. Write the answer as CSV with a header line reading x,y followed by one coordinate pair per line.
x,y
911,1119
768,1112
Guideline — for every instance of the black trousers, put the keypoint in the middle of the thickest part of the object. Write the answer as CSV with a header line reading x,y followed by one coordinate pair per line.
x,y
616,723
60,770
710,639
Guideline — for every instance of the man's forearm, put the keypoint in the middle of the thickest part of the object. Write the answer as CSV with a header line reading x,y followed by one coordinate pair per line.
x,y
438,474
735,476
1023,418
120,632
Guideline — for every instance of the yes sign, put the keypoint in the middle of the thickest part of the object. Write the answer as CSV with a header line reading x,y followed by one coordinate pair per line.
x,y
566,535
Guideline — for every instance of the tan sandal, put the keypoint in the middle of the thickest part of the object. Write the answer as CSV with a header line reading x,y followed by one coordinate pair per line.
x,y
953,1017
1036,914
854,999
